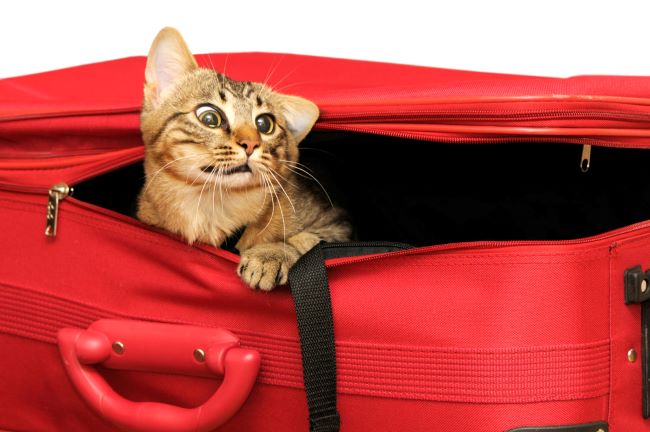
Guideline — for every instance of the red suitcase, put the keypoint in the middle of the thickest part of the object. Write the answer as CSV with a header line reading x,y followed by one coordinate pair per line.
x,y
524,308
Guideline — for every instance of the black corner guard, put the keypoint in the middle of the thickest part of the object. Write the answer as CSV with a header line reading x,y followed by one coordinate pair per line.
x,y
637,291
311,297
589,427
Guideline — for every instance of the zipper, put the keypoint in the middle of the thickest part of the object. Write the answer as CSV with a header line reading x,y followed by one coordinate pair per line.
x,y
126,220
445,125
525,131
61,191
483,115
427,136
335,262
56,194
585,161
362,248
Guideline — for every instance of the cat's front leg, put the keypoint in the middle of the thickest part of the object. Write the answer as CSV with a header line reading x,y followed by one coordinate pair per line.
x,y
266,265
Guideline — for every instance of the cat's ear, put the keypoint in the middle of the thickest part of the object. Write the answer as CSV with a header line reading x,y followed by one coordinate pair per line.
x,y
300,115
168,61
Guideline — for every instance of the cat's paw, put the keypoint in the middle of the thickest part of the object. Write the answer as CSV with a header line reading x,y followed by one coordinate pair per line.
x,y
267,265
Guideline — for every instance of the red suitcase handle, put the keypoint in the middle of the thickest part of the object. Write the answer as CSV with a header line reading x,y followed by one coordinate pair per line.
x,y
145,346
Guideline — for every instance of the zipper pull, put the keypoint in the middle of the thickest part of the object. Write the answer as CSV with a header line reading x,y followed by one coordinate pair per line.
x,y
58,192
585,161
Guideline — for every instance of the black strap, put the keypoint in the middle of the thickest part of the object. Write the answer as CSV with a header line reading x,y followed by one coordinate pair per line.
x,y
311,296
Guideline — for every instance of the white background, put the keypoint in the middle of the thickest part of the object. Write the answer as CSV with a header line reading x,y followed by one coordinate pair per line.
x,y
553,38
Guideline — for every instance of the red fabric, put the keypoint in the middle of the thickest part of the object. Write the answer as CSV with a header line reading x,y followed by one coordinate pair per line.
x,y
523,332
57,116
478,337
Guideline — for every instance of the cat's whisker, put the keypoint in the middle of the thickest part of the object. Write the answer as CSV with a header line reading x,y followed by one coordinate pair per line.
x,y
284,229
196,178
225,65
298,173
151,179
296,163
219,179
227,187
284,178
290,85
210,60
272,171
267,185
317,149
261,207
293,164
270,74
214,185
275,86
221,76
284,226
189,171
266,88
310,176
198,204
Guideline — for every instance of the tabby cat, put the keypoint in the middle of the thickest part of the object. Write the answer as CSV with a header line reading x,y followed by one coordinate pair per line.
x,y
222,155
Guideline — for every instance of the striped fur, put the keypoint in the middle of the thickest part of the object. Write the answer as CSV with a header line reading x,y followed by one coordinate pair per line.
x,y
190,186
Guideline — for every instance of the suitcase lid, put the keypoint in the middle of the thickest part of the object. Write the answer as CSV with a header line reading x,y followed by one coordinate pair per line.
x,y
81,120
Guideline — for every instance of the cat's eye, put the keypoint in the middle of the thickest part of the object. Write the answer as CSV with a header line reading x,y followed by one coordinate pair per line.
x,y
209,116
265,123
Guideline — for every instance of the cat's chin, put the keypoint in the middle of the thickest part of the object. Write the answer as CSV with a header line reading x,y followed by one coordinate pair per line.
x,y
241,179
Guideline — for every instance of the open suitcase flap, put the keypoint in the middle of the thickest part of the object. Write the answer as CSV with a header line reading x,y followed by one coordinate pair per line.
x,y
77,121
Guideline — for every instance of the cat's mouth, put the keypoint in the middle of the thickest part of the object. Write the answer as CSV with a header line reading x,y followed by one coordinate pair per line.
x,y
211,169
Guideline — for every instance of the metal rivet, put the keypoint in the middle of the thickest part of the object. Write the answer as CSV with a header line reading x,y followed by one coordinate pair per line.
x,y
631,355
118,347
644,285
199,355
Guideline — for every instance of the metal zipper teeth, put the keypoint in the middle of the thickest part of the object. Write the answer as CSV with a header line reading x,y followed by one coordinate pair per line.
x,y
490,245
456,100
54,115
346,121
477,140
483,115
108,166
422,115
402,114
539,104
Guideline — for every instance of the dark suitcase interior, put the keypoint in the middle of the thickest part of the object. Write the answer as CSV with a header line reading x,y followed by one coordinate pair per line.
x,y
426,193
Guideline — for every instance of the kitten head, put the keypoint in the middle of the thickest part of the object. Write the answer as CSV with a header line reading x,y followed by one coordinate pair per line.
x,y
200,126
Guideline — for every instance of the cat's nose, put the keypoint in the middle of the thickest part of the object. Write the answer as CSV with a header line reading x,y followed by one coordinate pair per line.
x,y
248,145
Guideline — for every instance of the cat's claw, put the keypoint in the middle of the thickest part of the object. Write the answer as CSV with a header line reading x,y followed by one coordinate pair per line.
x,y
267,265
